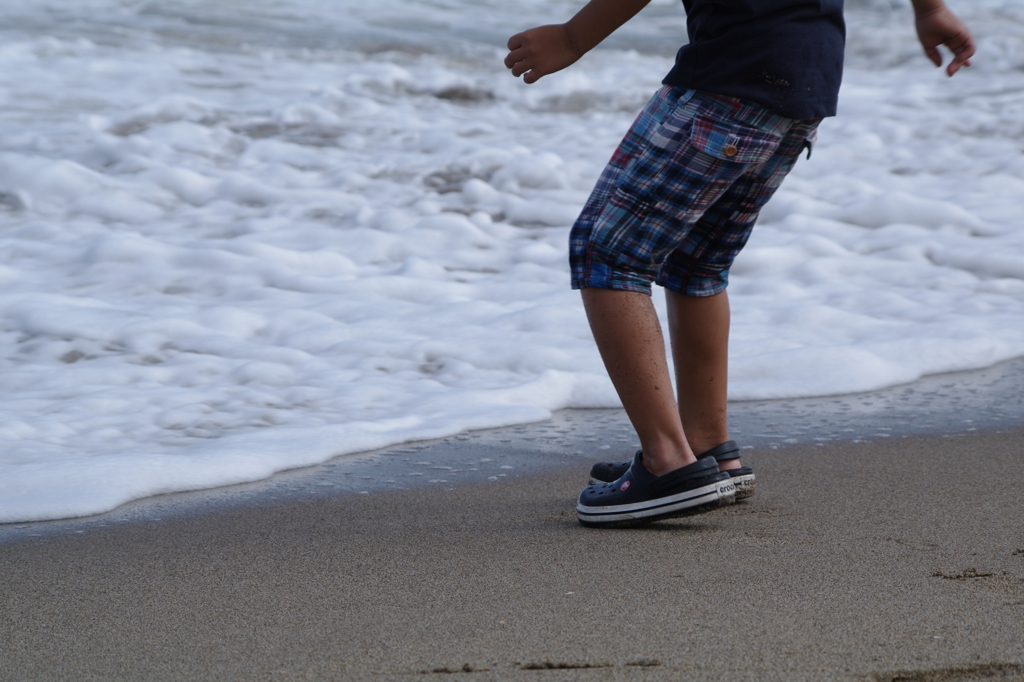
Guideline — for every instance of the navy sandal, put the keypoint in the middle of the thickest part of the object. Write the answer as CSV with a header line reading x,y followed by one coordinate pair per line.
x,y
742,478
639,496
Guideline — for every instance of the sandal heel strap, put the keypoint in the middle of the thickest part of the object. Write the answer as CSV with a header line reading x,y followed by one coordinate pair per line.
x,y
706,467
724,452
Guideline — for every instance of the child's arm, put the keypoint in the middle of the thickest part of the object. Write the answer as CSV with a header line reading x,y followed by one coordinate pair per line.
x,y
936,25
539,51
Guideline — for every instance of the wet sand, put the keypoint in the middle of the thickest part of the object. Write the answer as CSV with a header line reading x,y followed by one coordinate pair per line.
x,y
883,560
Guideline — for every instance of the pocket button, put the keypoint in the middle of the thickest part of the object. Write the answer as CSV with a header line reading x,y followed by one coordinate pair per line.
x,y
731,151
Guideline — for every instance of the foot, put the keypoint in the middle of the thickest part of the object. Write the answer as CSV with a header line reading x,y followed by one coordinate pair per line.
x,y
727,455
638,496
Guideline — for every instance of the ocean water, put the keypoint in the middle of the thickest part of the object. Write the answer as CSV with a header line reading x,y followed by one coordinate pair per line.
x,y
242,237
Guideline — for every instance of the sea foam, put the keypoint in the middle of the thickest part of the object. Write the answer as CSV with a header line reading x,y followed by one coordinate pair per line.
x,y
236,242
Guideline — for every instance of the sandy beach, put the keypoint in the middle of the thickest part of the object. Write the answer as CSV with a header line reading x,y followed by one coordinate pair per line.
x,y
894,559
284,326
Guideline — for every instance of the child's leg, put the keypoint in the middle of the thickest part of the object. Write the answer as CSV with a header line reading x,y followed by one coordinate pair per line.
x,y
695,275
699,330
629,337
683,154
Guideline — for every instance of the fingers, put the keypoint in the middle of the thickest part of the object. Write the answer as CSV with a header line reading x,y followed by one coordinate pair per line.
x,y
962,47
518,57
962,54
942,27
538,52
513,58
963,50
518,62
515,46
520,66
954,66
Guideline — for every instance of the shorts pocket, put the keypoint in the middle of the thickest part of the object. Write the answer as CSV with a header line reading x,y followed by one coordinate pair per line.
x,y
733,142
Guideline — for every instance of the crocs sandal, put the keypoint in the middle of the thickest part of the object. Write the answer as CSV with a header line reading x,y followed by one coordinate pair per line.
x,y
639,496
743,477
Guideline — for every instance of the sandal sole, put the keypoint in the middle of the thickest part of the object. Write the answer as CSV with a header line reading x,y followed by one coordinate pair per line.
x,y
696,501
745,486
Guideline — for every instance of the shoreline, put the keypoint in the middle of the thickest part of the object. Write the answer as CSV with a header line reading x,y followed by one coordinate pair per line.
x,y
964,402
882,560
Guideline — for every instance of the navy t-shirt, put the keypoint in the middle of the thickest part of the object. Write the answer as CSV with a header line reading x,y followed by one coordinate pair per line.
x,y
784,54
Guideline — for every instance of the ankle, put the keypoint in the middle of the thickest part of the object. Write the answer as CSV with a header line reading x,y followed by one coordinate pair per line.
x,y
660,460
701,443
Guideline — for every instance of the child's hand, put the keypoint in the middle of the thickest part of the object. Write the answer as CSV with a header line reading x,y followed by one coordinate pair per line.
x,y
942,27
540,51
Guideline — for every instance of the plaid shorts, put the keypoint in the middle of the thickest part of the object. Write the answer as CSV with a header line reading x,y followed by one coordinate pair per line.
x,y
679,197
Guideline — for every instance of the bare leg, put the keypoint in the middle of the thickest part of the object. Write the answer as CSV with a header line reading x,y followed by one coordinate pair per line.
x,y
699,330
628,335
